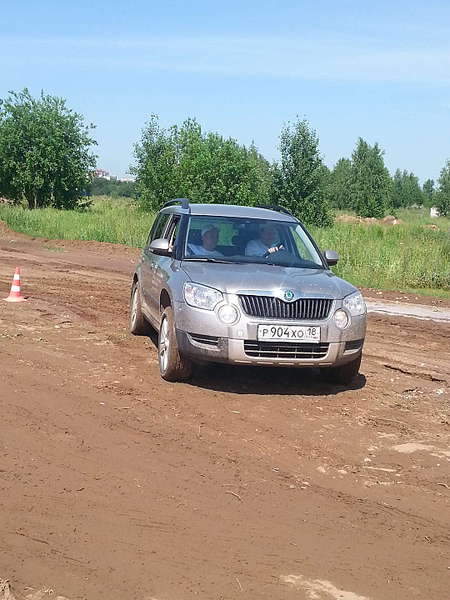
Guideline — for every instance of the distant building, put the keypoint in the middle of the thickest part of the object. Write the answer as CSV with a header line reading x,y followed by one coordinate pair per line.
x,y
434,211
126,179
102,173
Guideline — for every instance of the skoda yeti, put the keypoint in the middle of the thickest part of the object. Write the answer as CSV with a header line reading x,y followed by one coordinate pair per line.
x,y
246,286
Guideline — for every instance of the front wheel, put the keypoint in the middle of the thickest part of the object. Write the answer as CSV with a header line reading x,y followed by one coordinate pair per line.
x,y
344,374
172,365
138,323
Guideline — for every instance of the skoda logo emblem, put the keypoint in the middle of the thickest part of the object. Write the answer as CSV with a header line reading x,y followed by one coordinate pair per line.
x,y
288,295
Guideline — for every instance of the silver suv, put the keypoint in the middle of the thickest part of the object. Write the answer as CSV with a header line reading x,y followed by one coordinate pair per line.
x,y
246,286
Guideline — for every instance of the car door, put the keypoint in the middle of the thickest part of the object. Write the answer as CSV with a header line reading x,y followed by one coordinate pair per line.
x,y
149,265
162,267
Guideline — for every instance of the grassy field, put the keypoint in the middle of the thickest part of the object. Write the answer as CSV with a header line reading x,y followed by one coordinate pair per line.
x,y
403,257
109,220
408,257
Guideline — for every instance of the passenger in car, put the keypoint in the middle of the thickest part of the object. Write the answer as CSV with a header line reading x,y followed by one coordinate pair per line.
x,y
210,237
265,244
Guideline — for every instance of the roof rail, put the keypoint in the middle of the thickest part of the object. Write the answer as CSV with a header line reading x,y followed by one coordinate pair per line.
x,y
183,201
277,208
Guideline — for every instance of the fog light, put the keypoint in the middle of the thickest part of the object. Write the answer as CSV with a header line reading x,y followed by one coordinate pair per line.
x,y
228,314
341,318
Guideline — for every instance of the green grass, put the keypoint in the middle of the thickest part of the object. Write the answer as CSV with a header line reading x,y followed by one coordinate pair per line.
x,y
412,216
408,257
390,257
109,220
421,216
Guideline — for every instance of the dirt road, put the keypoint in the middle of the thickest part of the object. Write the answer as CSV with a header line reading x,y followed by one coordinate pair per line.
x,y
246,483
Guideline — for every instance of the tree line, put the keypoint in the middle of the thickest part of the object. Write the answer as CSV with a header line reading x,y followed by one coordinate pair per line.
x,y
46,159
100,186
184,161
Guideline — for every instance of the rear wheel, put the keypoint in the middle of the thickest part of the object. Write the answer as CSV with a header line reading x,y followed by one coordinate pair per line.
x,y
173,366
343,374
138,323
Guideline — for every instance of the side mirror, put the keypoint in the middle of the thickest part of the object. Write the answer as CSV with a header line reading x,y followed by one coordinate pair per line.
x,y
331,257
160,247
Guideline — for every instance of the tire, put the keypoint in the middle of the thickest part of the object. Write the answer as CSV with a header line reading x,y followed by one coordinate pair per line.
x,y
343,374
173,366
138,323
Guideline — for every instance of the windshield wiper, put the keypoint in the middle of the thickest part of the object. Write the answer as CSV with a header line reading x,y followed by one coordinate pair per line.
x,y
209,259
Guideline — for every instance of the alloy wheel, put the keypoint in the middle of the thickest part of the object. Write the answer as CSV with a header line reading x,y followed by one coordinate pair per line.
x,y
164,343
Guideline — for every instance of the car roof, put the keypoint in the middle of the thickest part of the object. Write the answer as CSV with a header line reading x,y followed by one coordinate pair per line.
x,y
231,210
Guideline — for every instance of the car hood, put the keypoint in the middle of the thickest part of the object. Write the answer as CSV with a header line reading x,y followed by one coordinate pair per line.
x,y
253,277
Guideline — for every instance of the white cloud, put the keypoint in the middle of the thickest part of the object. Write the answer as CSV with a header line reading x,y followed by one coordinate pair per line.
x,y
338,59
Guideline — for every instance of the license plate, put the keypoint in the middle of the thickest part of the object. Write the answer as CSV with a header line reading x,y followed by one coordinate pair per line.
x,y
288,333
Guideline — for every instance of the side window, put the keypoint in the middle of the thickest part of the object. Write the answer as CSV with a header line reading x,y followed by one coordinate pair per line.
x,y
158,227
172,230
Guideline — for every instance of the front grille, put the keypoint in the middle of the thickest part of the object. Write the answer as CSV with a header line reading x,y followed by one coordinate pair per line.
x,y
310,309
284,350
207,340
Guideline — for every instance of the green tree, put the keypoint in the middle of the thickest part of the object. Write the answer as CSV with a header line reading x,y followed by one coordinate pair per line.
x,y
45,151
299,180
338,187
261,180
428,192
397,189
215,169
443,191
112,187
183,161
413,192
155,167
406,190
370,182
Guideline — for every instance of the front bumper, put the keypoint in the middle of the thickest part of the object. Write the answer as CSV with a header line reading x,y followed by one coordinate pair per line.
x,y
202,337
227,350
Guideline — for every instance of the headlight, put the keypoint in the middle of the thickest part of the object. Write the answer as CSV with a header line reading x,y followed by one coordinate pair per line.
x,y
341,318
228,314
201,296
355,304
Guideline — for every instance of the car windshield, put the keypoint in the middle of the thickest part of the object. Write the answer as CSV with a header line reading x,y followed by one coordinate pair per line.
x,y
238,240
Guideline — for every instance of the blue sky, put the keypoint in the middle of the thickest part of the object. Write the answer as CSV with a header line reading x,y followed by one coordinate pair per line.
x,y
380,70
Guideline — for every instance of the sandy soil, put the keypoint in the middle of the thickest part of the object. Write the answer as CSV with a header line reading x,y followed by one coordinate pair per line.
x,y
245,483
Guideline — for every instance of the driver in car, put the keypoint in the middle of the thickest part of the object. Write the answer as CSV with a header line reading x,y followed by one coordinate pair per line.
x,y
210,237
265,244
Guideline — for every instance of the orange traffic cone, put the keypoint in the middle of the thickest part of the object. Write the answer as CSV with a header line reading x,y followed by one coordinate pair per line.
x,y
15,294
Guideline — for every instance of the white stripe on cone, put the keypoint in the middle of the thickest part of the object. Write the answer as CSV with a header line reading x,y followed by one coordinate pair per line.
x,y
15,288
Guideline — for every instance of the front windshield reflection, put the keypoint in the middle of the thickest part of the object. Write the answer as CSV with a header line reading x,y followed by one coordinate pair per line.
x,y
236,240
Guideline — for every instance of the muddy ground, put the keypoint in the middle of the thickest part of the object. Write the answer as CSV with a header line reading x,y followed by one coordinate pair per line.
x,y
244,483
